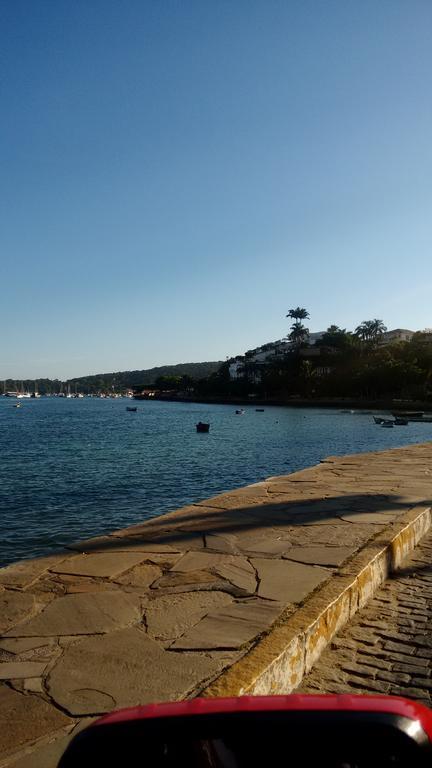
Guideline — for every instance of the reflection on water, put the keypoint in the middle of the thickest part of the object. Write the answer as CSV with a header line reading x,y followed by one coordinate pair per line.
x,y
73,468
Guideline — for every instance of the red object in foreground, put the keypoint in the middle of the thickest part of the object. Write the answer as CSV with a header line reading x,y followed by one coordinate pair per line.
x,y
324,731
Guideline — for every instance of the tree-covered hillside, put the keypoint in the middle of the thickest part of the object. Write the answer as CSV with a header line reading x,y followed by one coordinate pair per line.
x,y
130,379
119,381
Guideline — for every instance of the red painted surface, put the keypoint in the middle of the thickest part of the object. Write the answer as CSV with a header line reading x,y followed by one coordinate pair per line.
x,y
295,702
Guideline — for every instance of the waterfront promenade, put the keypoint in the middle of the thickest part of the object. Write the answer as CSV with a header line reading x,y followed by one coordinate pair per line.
x,y
237,594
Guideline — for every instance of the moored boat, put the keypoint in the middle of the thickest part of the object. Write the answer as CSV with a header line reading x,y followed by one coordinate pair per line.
x,y
202,427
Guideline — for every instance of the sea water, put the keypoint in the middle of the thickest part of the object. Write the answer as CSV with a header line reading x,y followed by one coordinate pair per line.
x,y
73,468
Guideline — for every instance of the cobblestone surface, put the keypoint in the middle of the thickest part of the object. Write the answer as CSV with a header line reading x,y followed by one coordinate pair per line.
x,y
387,648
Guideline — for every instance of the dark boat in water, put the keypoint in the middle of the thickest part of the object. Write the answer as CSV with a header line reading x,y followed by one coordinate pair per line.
x,y
202,427
398,421
131,409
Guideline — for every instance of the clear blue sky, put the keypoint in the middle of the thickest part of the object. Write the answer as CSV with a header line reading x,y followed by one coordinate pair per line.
x,y
176,175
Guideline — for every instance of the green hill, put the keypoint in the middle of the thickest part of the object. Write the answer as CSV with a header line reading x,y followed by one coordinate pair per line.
x,y
117,381
129,379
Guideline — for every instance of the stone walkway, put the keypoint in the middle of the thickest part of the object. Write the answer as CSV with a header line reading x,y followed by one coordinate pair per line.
x,y
387,648
157,611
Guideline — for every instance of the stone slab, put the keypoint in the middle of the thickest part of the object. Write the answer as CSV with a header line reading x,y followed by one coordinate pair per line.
x,y
190,581
198,561
220,543
143,575
235,569
21,669
23,719
162,560
18,645
122,669
82,614
32,685
267,544
238,572
287,582
102,565
15,607
230,627
170,616
328,556
25,572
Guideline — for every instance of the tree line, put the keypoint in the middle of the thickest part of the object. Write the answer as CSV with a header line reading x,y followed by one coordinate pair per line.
x,y
341,364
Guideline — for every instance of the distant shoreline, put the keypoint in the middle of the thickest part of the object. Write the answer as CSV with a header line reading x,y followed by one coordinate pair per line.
x,y
385,405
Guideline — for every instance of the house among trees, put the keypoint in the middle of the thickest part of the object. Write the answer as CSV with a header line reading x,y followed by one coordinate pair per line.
x,y
398,334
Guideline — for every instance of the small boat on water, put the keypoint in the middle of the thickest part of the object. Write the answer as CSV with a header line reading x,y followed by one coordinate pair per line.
x,y
240,412
397,422
130,409
259,410
202,427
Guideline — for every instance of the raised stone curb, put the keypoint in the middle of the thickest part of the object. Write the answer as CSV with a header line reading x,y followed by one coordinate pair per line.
x,y
277,664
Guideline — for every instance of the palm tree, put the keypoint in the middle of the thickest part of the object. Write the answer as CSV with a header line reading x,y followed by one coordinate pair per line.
x,y
370,330
364,330
378,328
298,314
299,333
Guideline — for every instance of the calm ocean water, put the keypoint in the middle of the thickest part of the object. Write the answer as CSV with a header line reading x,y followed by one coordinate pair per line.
x,y
70,469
